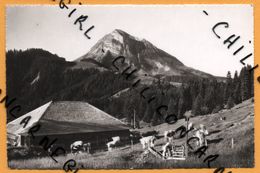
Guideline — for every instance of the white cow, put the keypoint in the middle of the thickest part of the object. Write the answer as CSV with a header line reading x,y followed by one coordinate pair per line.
x,y
147,141
113,143
76,147
167,147
201,134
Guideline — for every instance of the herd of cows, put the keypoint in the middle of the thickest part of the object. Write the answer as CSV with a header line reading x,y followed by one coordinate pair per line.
x,y
169,136
148,141
80,147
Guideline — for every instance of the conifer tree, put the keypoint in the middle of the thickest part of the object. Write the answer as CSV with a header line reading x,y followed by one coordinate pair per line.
x,y
181,106
230,102
228,87
142,108
155,119
250,82
148,114
244,77
196,109
237,93
236,86
210,98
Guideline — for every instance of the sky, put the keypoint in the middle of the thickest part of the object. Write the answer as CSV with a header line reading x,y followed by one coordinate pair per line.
x,y
183,31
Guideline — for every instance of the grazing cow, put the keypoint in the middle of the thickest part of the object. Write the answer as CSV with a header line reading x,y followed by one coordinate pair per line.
x,y
148,141
166,149
56,149
168,135
113,143
76,147
201,134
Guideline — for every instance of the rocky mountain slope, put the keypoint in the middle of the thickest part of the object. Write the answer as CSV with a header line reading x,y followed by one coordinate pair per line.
x,y
139,52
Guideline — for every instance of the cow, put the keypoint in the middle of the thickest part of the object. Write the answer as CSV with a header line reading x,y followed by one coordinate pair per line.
x,y
50,149
168,135
148,141
77,147
201,134
113,143
87,147
55,149
167,147
135,136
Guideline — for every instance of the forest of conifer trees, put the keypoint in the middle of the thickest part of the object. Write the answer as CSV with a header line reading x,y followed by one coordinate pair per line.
x,y
199,97
58,82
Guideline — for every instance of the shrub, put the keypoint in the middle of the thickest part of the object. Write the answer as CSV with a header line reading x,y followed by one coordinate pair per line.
x,y
216,109
204,110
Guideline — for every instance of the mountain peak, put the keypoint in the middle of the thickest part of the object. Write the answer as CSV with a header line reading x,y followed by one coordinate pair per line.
x,y
119,31
141,53
121,35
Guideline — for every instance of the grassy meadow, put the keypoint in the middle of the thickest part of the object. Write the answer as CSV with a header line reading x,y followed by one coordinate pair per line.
x,y
238,124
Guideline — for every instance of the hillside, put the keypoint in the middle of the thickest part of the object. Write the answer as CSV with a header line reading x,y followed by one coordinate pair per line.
x,y
236,123
239,125
36,76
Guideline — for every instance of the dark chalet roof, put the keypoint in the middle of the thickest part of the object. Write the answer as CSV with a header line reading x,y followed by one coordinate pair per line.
x,y
67,117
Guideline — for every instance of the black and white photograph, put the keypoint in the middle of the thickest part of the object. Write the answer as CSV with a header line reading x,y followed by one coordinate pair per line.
x,y
129,86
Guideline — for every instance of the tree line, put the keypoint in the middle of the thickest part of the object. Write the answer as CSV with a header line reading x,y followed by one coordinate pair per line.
x,y
197,97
